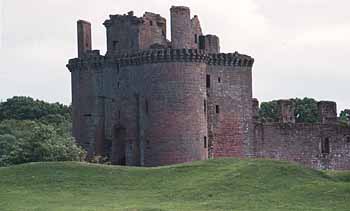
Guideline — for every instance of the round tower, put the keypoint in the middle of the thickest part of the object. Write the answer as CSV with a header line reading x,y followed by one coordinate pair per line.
x,y
181,27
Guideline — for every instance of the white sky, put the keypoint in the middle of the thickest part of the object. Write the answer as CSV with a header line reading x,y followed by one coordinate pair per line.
x,y
301,47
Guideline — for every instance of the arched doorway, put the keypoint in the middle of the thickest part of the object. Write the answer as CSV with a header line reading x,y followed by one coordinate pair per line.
x,y
118,155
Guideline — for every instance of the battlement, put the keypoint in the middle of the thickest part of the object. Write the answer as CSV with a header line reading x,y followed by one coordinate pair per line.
x,y
165,55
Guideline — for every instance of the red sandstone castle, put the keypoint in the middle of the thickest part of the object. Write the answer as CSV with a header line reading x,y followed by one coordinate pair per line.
x,y
150,101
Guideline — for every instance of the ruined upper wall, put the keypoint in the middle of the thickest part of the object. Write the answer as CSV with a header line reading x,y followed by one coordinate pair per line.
x,y
127,33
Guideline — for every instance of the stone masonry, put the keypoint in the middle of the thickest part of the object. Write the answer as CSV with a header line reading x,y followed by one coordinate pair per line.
x,y
150,101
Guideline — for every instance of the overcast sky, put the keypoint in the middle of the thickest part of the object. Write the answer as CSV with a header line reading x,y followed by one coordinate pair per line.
x,y
301,47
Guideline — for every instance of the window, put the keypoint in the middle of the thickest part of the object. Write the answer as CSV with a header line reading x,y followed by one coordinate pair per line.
x,y
325,147
208,81
151,23
205,142
205,106
348,140
196,38
118,85
118,68
219,79
146,106
201,42
217,109
115,45
119,114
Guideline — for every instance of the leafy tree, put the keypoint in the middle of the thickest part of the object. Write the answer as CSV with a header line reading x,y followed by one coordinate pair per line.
x,y
269,111
306,110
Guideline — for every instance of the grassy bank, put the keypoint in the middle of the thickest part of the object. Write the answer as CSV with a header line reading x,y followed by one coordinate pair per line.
x,y
224,184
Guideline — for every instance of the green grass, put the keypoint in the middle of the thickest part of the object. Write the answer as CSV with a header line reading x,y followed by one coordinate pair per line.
x,y
224,184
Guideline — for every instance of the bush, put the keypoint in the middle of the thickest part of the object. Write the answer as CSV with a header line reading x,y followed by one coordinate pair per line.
x,y
31,141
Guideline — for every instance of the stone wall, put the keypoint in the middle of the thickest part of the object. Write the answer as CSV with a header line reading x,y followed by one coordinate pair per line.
x,y
302,143
322,145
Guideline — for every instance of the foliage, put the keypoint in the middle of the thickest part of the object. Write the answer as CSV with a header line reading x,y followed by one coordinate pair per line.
x,y
344,116
306,110
269,111
212,185
34,130
30,141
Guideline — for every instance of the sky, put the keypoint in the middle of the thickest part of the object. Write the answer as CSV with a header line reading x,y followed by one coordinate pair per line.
x,y
301,47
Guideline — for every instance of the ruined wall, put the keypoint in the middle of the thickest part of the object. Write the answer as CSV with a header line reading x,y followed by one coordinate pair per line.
x,y
302,143
123,33
127,33
153,31
196,32
230,108
323,145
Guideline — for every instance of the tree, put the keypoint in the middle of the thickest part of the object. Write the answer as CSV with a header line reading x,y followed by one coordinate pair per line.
x,y
306,110
26,108
344,116
268,111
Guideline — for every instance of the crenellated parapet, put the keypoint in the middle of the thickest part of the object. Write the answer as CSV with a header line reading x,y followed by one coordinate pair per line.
x,y
164,55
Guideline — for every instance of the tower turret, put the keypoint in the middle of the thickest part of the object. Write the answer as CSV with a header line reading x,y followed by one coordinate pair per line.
x,y
181,27
84,37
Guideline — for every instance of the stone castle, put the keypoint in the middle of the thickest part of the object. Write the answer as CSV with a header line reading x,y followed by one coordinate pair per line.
x,y
150,101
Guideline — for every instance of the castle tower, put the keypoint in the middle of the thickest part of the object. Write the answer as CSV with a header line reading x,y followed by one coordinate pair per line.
x,y
181,27
84,37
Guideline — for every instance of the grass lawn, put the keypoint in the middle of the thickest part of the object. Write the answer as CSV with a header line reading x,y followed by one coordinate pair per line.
x,y
223,184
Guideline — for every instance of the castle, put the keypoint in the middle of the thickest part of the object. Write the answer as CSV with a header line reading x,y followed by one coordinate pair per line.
x,y
150,101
